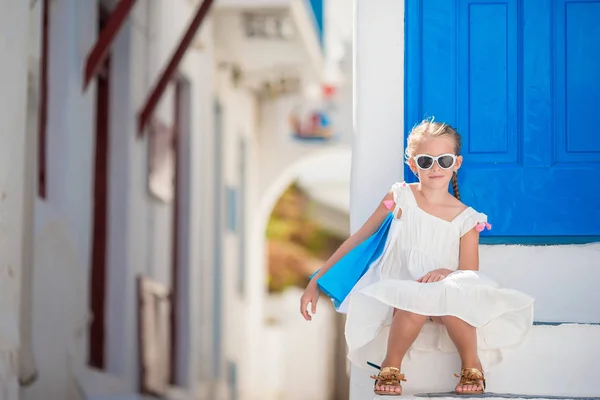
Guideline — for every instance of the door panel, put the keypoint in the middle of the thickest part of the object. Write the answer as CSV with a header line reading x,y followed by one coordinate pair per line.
x,y
520,80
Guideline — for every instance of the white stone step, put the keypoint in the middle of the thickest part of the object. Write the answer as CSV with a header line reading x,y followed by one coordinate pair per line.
x,y
555,360
488,396
562,279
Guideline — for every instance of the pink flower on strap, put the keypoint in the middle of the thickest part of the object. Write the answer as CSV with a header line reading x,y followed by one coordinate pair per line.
x,y
389,204
483,225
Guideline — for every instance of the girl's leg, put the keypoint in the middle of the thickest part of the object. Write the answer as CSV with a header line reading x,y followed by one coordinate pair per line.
x,y
404,330
464,337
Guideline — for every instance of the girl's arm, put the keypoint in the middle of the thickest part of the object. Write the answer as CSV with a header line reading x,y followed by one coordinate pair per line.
x,y
469,251
368,228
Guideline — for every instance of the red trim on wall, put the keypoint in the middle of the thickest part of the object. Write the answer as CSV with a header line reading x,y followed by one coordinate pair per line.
x,y
97,55
43,110
98,275
175,233
169,72
100,220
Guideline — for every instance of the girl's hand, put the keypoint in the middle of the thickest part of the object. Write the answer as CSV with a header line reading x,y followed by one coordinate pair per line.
x,y
310,295
435,276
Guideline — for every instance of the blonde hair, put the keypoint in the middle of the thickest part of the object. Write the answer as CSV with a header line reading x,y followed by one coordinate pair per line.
x,y
429,128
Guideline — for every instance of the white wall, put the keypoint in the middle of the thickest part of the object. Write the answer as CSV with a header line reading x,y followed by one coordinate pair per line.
x,y
199,64
299,352
261,125
276,162
265,58
127,210
338,32
27,367
377,151
141,225
272,165
139,236
13,106
240,327
62,234
552,274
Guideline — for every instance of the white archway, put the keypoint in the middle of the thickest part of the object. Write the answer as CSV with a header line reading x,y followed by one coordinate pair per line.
x,y
256,271
288,174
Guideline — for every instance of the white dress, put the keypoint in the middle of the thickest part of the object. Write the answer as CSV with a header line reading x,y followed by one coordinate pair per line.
x,y
419,242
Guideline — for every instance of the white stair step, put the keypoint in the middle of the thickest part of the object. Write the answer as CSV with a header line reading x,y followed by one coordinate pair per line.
x,y
562,279
487,396
554,360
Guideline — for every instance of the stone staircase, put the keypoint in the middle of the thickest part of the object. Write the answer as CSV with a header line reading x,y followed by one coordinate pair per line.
x,y
552,362
560,358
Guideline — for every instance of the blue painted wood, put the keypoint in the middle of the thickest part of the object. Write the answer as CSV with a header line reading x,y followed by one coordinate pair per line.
x,y
317,9
520,80
539,240
232,209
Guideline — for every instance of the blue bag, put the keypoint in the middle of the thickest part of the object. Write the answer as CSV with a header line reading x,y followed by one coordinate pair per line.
x,y
343,275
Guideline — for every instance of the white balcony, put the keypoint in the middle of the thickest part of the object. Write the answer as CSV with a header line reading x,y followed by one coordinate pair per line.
x,y
269,42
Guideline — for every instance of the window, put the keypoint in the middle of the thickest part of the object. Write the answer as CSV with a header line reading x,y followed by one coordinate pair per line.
x,y
232,209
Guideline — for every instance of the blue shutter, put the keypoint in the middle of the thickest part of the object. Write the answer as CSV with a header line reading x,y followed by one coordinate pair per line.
x,y
520,80
232,209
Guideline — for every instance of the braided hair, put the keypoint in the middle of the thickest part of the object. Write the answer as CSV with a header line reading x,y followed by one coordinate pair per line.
x,y
455,185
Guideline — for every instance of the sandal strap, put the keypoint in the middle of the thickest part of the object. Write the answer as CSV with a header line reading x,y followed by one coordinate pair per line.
x,y
389,376
471,376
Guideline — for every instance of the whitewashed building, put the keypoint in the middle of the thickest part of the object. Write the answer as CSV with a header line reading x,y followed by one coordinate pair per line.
x,y
144,146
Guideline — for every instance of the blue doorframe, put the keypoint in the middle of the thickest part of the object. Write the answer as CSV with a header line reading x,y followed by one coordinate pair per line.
x,y
524,98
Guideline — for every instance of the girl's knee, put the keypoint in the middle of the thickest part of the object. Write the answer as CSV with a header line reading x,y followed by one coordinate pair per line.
x,y
452,320
447,318
417,318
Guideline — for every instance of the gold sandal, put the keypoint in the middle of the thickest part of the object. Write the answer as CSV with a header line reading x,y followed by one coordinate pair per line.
x,y
388,376
470,377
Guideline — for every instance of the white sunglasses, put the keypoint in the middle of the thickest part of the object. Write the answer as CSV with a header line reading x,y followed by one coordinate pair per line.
x,y
425,161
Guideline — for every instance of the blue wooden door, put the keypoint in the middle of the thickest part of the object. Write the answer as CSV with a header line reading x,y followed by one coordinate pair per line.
x,y
520,80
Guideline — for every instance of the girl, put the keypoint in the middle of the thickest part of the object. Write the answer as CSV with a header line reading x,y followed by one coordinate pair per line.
x,y
425,286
